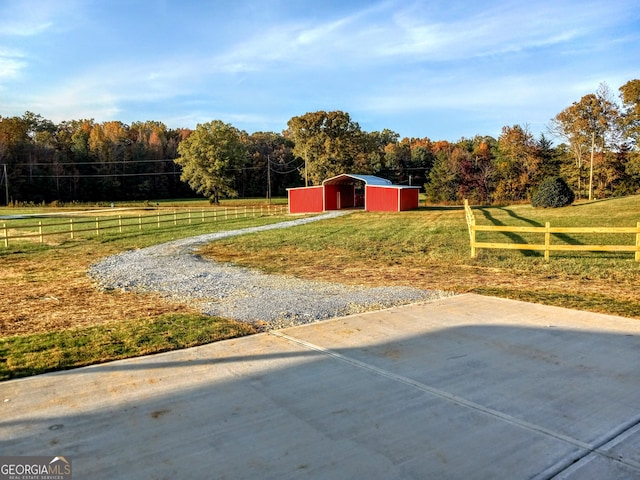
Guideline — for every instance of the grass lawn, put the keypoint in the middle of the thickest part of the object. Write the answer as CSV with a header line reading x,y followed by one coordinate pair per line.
x,y
429,248
53,317
25,355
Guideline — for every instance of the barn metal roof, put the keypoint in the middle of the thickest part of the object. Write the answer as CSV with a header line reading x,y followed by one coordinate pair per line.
x,y
348,177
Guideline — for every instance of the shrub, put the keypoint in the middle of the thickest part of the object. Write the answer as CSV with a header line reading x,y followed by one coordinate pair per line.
x,y
553,192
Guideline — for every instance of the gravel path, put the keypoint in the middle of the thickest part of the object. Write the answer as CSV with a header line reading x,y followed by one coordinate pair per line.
x,y
175,271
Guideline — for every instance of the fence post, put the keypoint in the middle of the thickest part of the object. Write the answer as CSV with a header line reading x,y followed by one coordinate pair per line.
x,y
71,227
6,235
638,242
97,227
202,215
547,240
226,213
471,224
253,210
245,212
120,223
140,221
158,219
472,237
175,218
40,231
189,216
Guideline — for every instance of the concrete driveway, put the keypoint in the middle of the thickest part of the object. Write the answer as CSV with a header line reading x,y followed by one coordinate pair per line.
x,y
467,387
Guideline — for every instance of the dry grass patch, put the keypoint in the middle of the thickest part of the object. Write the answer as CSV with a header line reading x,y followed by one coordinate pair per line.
x,y
429,249
46,288
49,290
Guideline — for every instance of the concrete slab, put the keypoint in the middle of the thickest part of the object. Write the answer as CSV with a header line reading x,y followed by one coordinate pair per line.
x,y
464,387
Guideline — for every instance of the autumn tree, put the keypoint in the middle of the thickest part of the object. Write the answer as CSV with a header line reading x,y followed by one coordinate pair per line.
x,y
329,143
209,158
517,164
477,171
587,126
630,117
13,135
443,185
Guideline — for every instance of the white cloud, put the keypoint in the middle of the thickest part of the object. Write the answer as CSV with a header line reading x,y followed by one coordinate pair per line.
x,y
10,67
11,63
391,33
24,29
25,18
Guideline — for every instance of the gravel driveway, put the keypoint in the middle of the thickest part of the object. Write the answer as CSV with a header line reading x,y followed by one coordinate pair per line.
x,y
175,271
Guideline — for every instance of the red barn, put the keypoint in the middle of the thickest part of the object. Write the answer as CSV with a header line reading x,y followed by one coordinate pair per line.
x,y
374,194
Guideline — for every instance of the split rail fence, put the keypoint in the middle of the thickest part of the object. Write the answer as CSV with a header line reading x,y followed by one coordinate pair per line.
x,y
75,227
548,232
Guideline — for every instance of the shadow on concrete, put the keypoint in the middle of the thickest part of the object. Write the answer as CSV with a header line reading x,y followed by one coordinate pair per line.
x,y
471,401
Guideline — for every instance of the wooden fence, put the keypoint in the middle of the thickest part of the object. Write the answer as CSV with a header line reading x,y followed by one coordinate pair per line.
x,y
548,230
72,227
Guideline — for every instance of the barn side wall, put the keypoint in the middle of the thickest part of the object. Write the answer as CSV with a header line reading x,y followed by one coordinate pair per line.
x,y
306,200
381,199
409,198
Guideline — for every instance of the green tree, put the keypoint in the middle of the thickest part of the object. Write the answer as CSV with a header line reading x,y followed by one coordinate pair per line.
x,y
210,157
375,145
397,158
518,164
550,157
553,192
329,143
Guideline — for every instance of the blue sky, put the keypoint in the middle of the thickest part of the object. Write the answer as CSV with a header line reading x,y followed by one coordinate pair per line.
x,y
437,69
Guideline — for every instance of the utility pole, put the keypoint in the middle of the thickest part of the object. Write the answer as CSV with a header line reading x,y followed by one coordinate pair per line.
x,y
268,179
593,145
6,182
306,176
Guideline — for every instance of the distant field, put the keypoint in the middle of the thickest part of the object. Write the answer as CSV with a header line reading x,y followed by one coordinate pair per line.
x,y
164,203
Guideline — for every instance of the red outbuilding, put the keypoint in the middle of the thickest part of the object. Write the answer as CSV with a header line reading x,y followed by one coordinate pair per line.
x,y
372,193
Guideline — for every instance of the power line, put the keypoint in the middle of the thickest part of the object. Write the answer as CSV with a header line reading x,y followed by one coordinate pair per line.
x,y
115,162
297,169
101,175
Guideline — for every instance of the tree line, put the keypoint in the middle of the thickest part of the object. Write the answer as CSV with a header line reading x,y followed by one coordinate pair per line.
x,y
596,151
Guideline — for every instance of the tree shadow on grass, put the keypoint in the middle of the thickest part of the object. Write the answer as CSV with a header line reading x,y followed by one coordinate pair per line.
x,y
514,237
513,214
563,237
